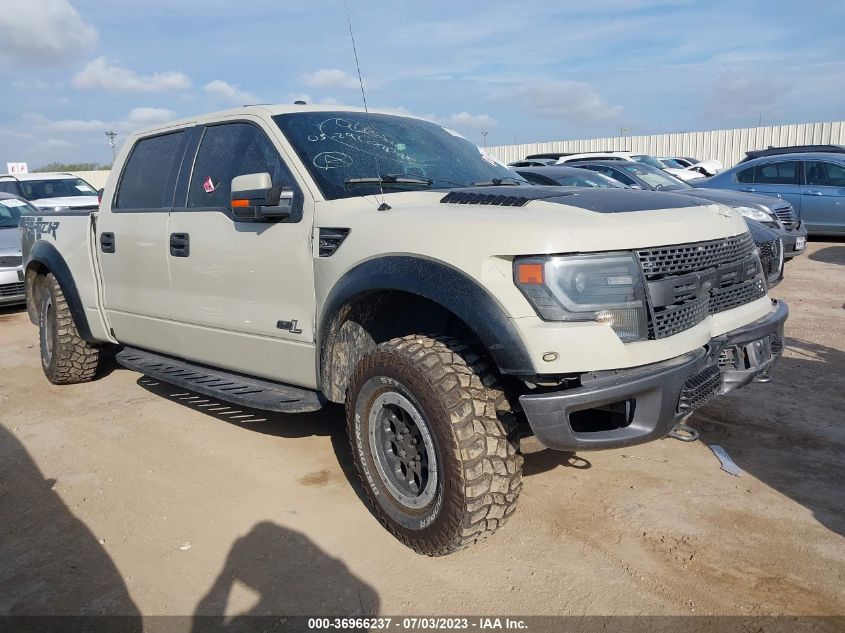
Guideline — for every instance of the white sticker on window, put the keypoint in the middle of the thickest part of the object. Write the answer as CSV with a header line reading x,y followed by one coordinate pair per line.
x,y
85,189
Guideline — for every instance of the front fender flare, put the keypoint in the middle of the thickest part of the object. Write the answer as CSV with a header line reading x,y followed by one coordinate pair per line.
x,y
442,284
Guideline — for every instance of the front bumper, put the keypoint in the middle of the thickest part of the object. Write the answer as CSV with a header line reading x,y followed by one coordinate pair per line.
x,y
792,239
619,408
11,286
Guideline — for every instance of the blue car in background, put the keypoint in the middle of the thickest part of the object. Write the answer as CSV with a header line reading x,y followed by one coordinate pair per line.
x,y
813,182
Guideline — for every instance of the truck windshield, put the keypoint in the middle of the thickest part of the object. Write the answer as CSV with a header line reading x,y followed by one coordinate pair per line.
x,y
56,188
350,153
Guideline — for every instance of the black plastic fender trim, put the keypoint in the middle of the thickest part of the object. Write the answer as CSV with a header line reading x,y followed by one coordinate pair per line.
x,y
442,284
48,256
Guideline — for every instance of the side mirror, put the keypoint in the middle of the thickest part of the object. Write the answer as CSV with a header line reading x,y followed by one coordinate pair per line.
x,y
255,198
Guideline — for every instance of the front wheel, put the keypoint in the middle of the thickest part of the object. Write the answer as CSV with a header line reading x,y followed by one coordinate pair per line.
x,y
434,458
66,357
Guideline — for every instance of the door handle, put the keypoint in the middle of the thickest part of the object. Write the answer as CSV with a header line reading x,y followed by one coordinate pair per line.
x,y
748,189
180,244
812,192
107,242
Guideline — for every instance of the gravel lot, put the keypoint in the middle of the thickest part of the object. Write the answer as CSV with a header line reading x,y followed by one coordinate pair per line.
x,y
127,496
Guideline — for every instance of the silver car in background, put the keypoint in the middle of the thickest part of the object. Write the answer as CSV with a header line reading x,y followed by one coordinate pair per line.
x,y
11,270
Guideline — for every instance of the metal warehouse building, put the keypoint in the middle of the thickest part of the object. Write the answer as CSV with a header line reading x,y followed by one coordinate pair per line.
x,y
728,146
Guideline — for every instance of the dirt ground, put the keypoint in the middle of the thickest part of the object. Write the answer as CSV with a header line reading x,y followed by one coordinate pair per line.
x,y
125,496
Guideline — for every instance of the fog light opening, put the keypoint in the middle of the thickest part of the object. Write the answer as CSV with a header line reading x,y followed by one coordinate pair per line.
x,y
609,417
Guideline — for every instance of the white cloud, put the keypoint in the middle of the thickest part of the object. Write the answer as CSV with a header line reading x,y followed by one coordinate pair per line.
x,y
101,75
467,121
331,78
136,119
43,32
229,92
149,116
578,103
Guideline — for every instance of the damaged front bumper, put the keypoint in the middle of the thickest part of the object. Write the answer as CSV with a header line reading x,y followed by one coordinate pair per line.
x,y
619,408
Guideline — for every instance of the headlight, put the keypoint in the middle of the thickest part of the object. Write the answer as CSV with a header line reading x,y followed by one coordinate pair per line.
x,y
755,214
606,288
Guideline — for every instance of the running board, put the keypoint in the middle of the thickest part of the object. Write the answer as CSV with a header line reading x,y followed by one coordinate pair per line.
x,y
223,385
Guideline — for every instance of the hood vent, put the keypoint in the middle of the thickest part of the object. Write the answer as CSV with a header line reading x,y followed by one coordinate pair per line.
x,y
500,200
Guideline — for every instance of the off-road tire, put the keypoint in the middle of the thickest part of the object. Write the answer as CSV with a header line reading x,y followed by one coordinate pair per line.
x,y
65,356
456,392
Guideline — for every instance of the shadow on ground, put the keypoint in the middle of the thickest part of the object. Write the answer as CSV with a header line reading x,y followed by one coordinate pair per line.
x,y
789,433
830,255
290,575
50,562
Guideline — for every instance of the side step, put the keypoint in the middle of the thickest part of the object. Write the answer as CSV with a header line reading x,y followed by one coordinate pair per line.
x,y
223,385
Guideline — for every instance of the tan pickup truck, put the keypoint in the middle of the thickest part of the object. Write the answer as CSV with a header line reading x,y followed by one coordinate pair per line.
x,y
285,257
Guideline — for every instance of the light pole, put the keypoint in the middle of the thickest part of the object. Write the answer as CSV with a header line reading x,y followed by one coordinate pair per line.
x,y
484,136
113,143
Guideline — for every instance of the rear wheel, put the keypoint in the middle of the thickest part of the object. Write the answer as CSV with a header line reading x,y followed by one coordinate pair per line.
x,y
65,356
433,456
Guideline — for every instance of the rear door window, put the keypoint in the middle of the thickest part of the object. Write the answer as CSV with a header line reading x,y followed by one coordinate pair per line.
x,y
146,182
824,174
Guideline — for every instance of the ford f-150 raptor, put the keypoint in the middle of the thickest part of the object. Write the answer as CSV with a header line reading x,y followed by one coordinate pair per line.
x,y
284,257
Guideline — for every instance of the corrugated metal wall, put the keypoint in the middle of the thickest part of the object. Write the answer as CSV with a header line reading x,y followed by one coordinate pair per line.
x,y
728,146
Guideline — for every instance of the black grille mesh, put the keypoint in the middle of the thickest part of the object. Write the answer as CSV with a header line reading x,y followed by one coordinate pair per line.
x,y
8,261
674,319
722,299
699,388
686,258
11,290
770,257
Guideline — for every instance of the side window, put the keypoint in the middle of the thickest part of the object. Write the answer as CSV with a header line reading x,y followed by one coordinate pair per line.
x,y
235,149
143,184
822,174
783,173
746,175
623,178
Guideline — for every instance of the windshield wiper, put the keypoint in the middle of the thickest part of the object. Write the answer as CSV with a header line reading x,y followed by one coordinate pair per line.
x,y
392,180
495,182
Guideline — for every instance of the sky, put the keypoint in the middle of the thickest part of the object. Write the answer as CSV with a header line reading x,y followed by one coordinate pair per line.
x,y
519,71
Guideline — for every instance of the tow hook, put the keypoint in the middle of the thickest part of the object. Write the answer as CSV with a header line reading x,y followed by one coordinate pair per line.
x,y
683,432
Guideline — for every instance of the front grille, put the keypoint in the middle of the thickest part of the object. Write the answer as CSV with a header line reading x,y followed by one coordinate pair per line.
x,y
770,257
722,299
699,388
10,261
11,290
786,215
674,319
686,258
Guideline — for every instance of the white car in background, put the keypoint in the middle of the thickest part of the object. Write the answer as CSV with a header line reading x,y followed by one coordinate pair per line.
x,y
52,192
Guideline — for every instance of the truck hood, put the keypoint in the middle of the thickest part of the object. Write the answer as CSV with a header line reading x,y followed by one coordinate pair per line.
x,y
10,240
526,220
73,202
732,198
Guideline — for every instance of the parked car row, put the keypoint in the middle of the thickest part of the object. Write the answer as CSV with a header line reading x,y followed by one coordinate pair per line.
x,y
804,184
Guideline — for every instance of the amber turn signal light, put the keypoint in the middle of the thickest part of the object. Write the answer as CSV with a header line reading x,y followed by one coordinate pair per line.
x,y
529,273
